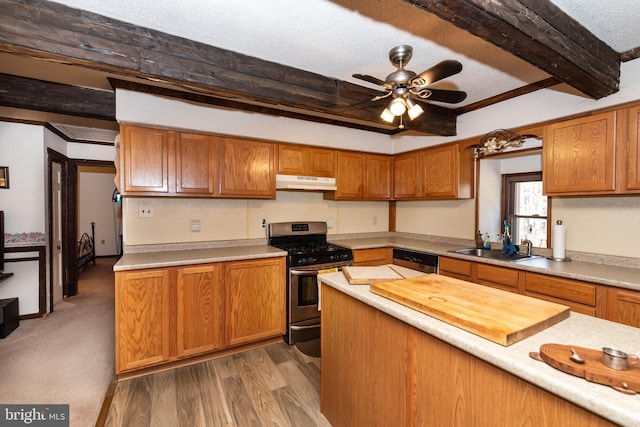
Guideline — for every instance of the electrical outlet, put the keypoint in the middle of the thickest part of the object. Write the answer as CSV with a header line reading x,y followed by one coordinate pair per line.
x,y
263,224
195,225
145,212
329,222
375,220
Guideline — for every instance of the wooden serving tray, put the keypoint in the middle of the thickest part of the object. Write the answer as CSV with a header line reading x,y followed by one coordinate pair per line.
x,y
367,275
500,316
593,370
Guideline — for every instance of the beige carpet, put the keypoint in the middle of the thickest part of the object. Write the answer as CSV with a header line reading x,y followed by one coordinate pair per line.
x,y
68,356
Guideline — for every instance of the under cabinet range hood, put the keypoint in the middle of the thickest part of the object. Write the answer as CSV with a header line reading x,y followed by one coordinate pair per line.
x,y
306,183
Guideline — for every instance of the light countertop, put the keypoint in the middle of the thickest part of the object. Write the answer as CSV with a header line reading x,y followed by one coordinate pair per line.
x,y
618,276
173,258
578,330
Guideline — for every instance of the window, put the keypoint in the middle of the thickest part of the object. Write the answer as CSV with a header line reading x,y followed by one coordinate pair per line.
x,y
526,208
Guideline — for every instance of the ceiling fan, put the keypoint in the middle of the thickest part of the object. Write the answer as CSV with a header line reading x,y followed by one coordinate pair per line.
x,y
405,87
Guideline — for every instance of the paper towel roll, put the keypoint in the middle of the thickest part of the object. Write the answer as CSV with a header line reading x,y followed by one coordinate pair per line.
x,y
558,240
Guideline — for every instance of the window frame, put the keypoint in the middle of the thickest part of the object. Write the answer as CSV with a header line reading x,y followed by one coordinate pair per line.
x,y
508,195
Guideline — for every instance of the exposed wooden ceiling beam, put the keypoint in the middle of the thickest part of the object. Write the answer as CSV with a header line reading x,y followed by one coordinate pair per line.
x,y
55,32
38,95
540,33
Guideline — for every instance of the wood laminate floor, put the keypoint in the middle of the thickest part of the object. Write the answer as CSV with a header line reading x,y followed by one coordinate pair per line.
x,y
271,386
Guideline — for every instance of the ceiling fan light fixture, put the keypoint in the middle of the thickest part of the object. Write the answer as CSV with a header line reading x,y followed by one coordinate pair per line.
x,y
415,110
387,116
397,107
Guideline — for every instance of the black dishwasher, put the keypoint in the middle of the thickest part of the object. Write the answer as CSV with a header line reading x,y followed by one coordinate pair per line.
x,y
421,261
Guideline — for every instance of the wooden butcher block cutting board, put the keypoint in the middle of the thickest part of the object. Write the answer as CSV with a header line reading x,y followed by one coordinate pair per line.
x,y
500,316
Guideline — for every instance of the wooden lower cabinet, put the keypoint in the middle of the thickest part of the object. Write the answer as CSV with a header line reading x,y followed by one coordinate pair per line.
x,y
169,314
142,306
376,256
379,371
255,297
200,309
623,306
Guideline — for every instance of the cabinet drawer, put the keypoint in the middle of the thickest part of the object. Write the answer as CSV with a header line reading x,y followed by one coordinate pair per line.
x,y
456,266
566,289
375,256
573,306
490,274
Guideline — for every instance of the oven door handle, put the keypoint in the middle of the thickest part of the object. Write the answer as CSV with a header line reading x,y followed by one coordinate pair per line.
x,y
301,328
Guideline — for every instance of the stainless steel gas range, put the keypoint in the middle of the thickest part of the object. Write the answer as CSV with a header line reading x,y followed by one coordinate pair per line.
x,y
308,255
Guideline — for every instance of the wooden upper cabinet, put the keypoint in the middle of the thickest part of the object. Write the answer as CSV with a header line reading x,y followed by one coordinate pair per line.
x,y
247,168
196,164
378,183
447,171
362,176
579,155
145,160
632,151
322,162
293,159
406,173
439,171
306,161
351,174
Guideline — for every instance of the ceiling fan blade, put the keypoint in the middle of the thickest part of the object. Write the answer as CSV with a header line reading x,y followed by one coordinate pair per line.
x,y
439,71
442,95
370,79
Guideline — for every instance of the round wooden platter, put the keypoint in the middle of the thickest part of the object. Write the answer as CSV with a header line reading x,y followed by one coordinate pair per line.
x,y
593,370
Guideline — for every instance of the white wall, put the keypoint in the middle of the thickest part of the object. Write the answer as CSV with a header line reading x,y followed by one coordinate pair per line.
x,y
232,219
95,188
22,150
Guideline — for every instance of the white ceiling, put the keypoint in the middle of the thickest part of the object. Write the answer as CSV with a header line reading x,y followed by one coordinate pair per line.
x,y
342,37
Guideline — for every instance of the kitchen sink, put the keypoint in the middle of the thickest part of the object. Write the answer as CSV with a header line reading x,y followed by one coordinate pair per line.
x,y
493,254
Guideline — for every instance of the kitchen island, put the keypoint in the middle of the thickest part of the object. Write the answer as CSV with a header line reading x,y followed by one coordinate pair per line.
x,y
386,364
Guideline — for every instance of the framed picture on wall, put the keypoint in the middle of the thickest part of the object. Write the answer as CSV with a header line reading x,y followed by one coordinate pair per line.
x,y
4,177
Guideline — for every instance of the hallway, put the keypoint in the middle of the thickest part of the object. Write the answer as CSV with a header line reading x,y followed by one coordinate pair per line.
x,y
68,356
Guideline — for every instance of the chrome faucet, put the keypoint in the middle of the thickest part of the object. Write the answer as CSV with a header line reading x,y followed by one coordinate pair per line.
x,y
529,245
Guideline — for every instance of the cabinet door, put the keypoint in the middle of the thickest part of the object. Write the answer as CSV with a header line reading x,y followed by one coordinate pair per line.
x,y
440,172
255,300
579,155
196,164
406,183
200,310
378,184
322,162
623,306
145,159
247,168
293,159
351,175
633,150
142,318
